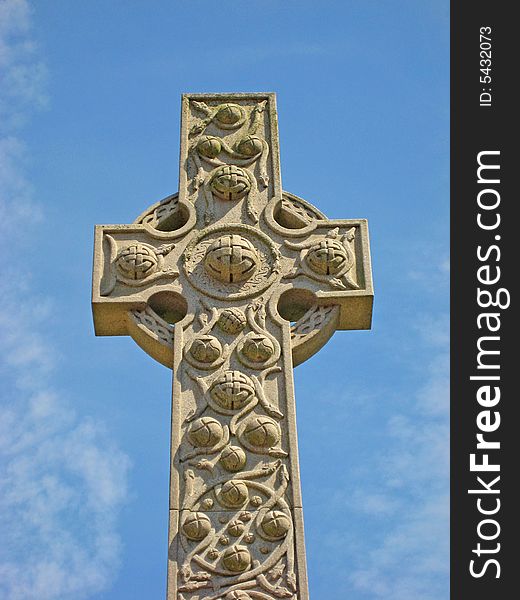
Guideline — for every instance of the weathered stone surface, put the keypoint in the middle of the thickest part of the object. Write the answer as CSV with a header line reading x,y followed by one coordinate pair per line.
x,y
231,282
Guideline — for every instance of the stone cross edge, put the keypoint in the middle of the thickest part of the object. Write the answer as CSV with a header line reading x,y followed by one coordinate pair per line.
x,y
231,283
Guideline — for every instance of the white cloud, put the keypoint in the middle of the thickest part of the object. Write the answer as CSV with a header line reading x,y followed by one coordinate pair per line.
x,y
411,560
22,74
62,479
415,554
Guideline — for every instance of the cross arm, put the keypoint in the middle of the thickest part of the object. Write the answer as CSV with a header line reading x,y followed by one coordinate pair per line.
x,y
135,288
330,258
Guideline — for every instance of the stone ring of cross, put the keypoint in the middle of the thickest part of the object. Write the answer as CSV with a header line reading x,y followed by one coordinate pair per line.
x,y
231,283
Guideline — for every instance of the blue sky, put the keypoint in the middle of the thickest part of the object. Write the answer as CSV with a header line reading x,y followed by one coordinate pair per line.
x,y
89,133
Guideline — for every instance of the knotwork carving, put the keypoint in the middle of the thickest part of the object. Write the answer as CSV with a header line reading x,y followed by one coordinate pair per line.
x,y
311,323
233,394
231,259
154,326
198,253
159,214
328,258
236,567
232,321
230,179
274,573
230,182
135,264
299,210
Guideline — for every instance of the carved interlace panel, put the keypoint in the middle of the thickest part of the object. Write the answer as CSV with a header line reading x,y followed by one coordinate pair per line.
x,y
230,283
236,497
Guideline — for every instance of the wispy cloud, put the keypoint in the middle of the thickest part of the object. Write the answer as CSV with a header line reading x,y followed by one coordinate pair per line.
x,y
62,478
411,560
22,73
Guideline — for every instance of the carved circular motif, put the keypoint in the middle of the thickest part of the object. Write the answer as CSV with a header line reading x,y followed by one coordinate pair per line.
x,y
232,320
206,279
206,348
276,524
233,458
209,146
232,390
205,432
207,503
257,348
229,115
261,432
236,528
250,145
196,526
233,494
237,559
136,262
230,182
231,259
327,257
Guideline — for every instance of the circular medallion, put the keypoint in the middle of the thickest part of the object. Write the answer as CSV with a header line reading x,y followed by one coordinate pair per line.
x,y
230,116
276,524
196,526
233,494
231,259
250,145
260,433
327,257
253,266
213,554
237,559
136,262
236,528
229,182
233,458
257,348
205,432
232,320
209,146
232,390
207,503
206,349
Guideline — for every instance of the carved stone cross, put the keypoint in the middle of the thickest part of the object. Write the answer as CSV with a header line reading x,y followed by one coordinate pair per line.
x,y
231,283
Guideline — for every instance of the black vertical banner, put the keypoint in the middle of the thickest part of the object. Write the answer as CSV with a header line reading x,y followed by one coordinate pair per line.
x,y
485,433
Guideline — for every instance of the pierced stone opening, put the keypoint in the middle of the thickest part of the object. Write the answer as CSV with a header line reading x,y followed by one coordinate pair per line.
x,y
287,218
170,306
175,220
293,304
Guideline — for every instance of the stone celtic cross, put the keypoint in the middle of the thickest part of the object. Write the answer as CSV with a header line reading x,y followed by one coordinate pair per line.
x,y
231,283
